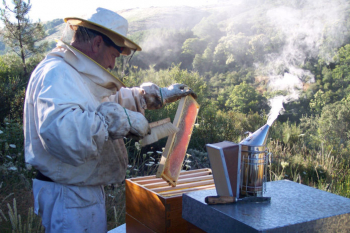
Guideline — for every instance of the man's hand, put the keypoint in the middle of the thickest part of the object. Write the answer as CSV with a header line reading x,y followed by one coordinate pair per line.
x,y
175,92
152,95
123,122
156,97
139,125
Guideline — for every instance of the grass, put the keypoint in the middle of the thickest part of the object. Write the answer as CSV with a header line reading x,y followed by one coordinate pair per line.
x,y
31,224
16,205
319,169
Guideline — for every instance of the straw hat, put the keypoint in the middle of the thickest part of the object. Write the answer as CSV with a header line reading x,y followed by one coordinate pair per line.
x,y
108,23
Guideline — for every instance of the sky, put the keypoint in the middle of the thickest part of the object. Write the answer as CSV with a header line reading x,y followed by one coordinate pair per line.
x,y
52,9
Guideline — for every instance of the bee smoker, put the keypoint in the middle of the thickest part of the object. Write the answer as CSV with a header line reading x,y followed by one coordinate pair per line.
x,y
240,169
254,160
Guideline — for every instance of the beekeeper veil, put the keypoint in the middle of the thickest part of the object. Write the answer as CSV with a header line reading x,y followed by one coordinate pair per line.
x,y
108,24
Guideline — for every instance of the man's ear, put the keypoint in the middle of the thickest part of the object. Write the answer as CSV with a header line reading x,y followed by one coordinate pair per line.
x,y
97,44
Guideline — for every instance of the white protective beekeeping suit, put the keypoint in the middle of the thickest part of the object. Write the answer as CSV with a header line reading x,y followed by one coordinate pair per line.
x,y
65,135
76,115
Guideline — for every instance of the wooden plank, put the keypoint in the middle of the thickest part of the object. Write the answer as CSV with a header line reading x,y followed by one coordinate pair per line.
x,y
159,180
194,179
173,203
145,206
194,171
180,181
160,122
185,227
134,226
182,186
141,178
177,221
180,192
205,173
152,181
156,185
172,214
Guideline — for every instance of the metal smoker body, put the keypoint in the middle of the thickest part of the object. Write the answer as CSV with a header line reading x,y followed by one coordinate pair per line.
x,y
254,161
240,169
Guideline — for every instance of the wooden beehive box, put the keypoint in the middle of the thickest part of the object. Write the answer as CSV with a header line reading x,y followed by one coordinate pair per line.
x,y
154,206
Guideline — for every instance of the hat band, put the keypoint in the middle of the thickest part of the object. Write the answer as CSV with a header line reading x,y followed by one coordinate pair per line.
x,y
117,40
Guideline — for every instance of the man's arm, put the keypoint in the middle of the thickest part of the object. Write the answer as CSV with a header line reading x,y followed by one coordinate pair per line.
x,y
69,124
150,96
68,128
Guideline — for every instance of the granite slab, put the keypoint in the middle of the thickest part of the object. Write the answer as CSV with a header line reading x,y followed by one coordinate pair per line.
x,y
293,208
119,229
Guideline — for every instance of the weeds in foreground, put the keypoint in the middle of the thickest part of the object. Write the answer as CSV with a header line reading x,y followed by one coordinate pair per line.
x,y
320,169
32,224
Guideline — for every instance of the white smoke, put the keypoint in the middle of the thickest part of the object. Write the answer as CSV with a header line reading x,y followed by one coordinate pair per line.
x,y
276,105
313,30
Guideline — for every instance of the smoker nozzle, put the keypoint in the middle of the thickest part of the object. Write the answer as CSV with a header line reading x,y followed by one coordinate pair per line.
x,y
258,138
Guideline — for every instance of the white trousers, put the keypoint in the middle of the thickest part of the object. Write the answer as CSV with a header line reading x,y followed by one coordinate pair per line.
x,y
68,208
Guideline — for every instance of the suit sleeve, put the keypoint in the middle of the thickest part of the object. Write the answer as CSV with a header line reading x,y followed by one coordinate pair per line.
x,y
67,128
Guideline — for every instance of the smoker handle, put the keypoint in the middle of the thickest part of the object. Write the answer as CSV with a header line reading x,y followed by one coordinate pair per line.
x,y
213,200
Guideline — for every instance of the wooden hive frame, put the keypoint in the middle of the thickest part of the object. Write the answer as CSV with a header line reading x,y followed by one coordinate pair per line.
x,y
175,149
154,206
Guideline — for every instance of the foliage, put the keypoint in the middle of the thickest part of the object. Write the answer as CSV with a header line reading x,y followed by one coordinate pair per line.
x,y
10,65
333,81
12,85
319,101
335,125
11,147
22,35
193,46
243,98
208,30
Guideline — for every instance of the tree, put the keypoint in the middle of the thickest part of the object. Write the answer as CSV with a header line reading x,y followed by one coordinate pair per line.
x,y
334,79
12,87
21,35
194,46
244,99
208,30
334,123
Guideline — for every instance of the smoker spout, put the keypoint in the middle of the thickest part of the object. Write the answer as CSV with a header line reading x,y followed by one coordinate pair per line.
x,y
258,138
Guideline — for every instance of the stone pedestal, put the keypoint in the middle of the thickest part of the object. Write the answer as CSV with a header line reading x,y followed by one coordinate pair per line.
x,y
293,208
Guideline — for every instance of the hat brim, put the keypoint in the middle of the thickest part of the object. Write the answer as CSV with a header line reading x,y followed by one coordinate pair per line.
x,y
115,37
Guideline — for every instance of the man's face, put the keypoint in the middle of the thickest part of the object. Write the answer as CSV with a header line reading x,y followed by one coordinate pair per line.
x,y
106,56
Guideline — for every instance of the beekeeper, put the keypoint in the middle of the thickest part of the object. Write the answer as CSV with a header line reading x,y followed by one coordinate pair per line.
x,y
76,115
